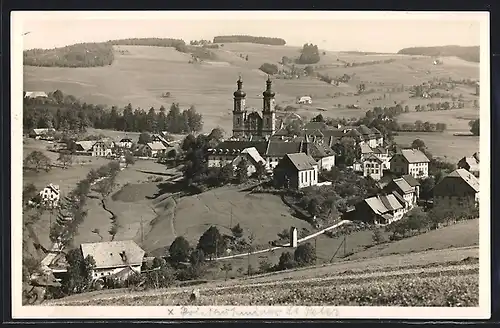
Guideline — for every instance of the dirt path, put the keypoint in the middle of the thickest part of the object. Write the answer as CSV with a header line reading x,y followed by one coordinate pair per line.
x,y
114,219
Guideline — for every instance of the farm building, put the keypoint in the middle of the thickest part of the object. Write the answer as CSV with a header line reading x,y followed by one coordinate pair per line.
x,y
307,100
410,161
405,192
154,149
113,257
459,188
103,148
382,210
125,143
42,134
296,171
35,94
84,147
252,156
470,163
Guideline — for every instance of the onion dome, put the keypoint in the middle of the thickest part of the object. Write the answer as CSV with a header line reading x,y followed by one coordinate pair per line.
x,y
239,93
269,92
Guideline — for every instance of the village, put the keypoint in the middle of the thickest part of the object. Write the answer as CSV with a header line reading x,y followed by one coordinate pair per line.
x,y
262,149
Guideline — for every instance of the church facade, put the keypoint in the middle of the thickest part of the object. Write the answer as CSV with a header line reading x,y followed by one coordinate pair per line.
x,y
254,124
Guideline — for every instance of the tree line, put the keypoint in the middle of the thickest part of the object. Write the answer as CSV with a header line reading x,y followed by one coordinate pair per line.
x,y
466,53
309,54
77,55
65,113
249,39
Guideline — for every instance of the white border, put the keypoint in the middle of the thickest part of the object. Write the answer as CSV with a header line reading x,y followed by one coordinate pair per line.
x,y
159,312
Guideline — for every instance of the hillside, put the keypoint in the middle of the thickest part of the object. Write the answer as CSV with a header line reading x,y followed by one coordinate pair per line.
x,y
467,53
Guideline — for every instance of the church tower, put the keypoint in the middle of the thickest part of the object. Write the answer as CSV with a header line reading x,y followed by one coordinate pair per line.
x,y
268,113
239,111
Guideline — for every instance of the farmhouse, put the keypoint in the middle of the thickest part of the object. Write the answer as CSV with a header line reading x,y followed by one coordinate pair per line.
x,y
459,188
35,94
382,210
304,100
125,143
102,148
42,134
410,161
161,139
50,195
252,156
296,171
470,163
113,256
153,149
404,192
84,147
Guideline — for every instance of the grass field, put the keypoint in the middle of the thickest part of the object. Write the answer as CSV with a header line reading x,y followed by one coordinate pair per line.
x,y
143,74
389,280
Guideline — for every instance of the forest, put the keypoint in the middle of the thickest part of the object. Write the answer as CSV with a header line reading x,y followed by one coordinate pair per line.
x,y
466,53
249,39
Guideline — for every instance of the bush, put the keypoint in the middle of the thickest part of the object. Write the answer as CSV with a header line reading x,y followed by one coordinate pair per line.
x,y
179,250
305,254
270,69
286,261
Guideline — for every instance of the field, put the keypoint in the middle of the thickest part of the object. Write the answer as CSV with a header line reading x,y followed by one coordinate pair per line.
x,y
140,75
420,279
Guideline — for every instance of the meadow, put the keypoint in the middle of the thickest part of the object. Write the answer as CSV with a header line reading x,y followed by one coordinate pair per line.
x,y
140,75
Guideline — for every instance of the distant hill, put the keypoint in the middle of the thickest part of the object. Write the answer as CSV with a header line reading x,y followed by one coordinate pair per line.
x,y
466,53
249,39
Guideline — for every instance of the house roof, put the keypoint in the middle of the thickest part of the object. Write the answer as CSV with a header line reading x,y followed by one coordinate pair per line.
x,y
279,148
466,176
365,149
472,162
403,185
476,156
44,130
353,133
414,156
126,140
314,132
106,142
107,254
390,202
379,150
238,146
401,200
156,146
364,130
372,157
54,187
411,180
383,204
376,132
316,150
86,144
253,154
34,94
315,126
301,161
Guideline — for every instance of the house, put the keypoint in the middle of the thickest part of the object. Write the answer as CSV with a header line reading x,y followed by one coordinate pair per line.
x,y
50,195
160,138
470,163
383,154
113,256
125,143
372,167
35,94
322,154
42,134
413,183
154,149
404,192
410,161
102,148
225,152
84,147
381,210
296,171
304,100
252,156
459,188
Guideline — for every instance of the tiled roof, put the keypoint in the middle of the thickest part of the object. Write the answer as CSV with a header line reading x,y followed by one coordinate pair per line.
x,y
380,150
278,148
403,185
86,145
364,130
383,204
390,202
414,156
365,149
466,176
301,161
372,157
156,146
107,254
376,132
253,154
239,146
316,150
315,126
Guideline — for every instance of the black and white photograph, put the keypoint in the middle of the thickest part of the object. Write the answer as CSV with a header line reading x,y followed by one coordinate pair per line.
x,y
247,164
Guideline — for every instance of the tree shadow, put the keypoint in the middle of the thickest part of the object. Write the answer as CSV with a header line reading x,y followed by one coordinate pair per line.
x,y
173,188
157,173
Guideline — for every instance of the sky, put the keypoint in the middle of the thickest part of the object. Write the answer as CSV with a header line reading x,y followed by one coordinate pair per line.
x,y
373,33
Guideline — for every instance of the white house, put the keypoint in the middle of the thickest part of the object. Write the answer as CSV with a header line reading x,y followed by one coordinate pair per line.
x,y
42,134
304,100
154,149
102,148
404,192
296,171
372,167
113,256
50,195
410,161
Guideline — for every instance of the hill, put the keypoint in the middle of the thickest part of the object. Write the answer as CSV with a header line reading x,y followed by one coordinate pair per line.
x,y
77,55
467,53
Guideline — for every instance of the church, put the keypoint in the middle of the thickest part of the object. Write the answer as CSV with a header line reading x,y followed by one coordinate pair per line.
x,y
254,124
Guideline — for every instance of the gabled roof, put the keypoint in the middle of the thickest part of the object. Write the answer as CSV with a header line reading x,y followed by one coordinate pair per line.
x,y
252,154
476,156
353,133
314,132
413,156
365,149
315,126
107,254
383,204
301,161
472,162
372,157
403,185
86,144
278,148
376,132
390,202
238,146
411,180
316,150
364,130
107,143
43,130
126,140
380,150
54,187
156,146
466,176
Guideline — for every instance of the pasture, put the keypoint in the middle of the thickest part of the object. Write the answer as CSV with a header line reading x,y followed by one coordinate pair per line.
x,y
140,75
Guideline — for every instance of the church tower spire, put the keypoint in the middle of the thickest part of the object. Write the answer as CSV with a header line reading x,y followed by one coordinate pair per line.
x,y
239,111
268,111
